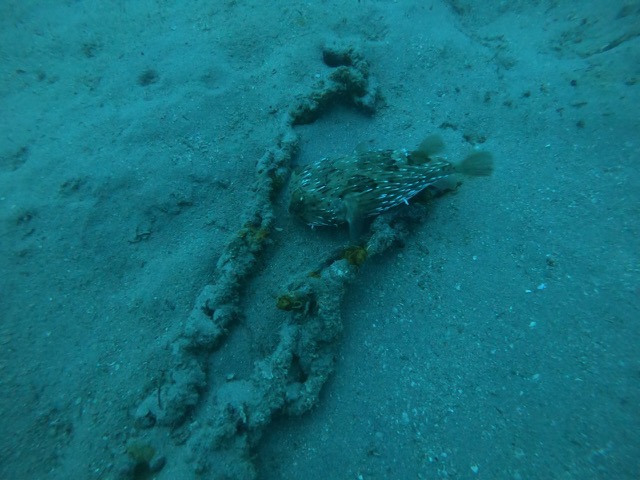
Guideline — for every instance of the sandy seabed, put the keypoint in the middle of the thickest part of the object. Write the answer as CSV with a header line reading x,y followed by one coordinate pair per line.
x,y
499,340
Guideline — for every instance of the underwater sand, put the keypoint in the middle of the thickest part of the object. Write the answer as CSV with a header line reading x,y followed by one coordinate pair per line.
x,y
500,341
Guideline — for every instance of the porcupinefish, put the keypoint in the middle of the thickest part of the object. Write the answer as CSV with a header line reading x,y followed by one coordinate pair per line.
x,y
350,188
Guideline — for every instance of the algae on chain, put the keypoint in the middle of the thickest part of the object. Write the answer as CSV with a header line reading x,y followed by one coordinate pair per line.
x,y
355,255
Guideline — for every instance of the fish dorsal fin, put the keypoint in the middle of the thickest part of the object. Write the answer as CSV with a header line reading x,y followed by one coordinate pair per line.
x,y
354,216
431,145
361,147
426,150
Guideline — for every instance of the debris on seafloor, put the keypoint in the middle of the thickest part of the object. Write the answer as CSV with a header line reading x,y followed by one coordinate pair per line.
x,y
289,379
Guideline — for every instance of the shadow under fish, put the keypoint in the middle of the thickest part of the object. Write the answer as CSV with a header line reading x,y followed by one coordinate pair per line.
x,y
352,188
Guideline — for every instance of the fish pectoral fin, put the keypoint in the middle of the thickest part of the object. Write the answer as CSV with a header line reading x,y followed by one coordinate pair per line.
x,y
361,148
355,217
444,185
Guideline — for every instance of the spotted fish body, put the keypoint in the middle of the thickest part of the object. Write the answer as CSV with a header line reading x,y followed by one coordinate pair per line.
x,y
349,188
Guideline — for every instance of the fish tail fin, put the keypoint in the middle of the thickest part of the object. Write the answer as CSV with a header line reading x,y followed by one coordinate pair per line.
x,y
476,164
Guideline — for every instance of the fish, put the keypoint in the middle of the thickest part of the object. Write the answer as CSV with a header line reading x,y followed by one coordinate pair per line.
x,y
353,188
